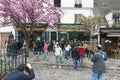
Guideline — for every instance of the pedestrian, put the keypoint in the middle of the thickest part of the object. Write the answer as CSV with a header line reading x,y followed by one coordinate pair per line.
x,y
22,72
46,51
24,47
15,48
98,67
58,53
75,56
19,44
67,51
62,45
81,52
89,48
34,48
37,50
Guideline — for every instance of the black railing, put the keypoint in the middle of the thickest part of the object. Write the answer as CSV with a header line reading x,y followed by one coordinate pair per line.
x,y
8,63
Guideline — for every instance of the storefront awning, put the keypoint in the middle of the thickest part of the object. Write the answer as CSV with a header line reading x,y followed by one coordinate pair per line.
x,y
110,32
113,35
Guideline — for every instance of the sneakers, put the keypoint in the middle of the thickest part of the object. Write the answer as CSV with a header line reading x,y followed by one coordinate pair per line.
x,y
67,60
59,67
54,66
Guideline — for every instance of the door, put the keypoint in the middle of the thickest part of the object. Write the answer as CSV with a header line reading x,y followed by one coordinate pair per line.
x,y
4,38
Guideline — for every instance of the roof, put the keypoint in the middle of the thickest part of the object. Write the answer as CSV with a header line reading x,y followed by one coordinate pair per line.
x,y
106,6
110,32
103,7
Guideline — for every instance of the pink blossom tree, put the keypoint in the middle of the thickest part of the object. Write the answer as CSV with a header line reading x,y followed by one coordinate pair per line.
x,y
29,11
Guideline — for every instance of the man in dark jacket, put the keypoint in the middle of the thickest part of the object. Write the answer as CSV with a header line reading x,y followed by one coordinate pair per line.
x,y
75,55
98,67
22,72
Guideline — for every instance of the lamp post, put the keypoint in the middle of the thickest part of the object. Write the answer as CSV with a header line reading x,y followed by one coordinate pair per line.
x,y
107,47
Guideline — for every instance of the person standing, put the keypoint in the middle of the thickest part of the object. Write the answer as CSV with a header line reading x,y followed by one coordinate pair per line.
x,y
58,53
89,48
98,67
24,48
67,51
81,52
15,48
46,50
75,56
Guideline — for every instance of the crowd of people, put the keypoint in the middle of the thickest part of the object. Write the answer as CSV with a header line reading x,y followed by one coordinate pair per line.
x,y
76,50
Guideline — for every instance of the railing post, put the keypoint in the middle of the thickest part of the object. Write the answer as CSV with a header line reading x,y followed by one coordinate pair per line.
x,y
1,68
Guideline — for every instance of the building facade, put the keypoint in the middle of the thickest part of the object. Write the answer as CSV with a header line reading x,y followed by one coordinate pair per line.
x,y
69,22
84,7
72,10
110,34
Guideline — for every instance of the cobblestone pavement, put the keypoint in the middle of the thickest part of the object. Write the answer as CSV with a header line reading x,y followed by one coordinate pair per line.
x,y
44,69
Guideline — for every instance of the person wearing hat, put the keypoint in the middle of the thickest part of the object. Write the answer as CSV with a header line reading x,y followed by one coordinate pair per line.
x,y
98,67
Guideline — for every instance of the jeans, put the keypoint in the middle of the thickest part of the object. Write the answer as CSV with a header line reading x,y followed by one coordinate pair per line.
x,y
67,55
24,50
57,61
46,54
96,76
81,60
75,64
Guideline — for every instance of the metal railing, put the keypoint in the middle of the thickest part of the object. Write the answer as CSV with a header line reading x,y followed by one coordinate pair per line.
x,y
9,62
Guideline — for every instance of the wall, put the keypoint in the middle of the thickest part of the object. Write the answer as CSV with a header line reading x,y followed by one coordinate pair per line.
x,y
71,3
69,14
88,3
67,3
68,7
70,11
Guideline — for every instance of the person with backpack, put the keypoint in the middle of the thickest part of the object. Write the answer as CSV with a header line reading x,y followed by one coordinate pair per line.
x,y
98,67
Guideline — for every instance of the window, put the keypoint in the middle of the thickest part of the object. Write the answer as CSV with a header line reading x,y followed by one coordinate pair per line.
x,y
57,3
116,19
78,18
78,3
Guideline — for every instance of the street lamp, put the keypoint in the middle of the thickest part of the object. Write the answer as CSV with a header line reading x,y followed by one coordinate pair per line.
x,y
107,47
107,41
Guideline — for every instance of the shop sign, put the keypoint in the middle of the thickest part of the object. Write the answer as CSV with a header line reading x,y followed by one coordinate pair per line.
x,y
33,29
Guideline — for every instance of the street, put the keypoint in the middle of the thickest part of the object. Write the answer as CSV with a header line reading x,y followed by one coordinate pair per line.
x,y
44,69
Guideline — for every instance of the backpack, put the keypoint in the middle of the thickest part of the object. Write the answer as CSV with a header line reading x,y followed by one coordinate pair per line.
x,y
103,55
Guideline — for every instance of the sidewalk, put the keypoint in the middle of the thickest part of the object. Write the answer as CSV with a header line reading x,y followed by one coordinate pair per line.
x,y
44,69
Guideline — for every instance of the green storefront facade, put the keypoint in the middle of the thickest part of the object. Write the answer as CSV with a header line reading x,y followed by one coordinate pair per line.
x,y
64,31
72,31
